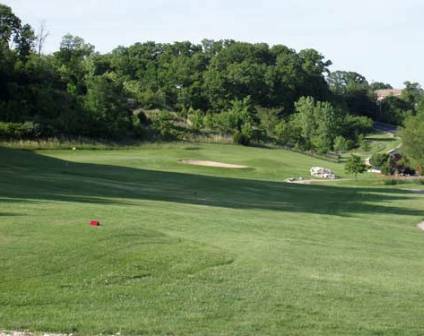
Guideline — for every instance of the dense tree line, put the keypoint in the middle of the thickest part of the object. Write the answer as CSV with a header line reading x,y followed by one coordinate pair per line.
x,y
254,92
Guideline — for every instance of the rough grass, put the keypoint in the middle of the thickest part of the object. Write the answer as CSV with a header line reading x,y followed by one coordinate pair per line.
x,y
187,250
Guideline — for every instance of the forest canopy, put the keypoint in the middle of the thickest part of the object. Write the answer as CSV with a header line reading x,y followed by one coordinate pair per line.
x,y
251,91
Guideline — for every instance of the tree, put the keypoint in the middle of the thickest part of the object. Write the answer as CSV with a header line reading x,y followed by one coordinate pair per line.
x,y
347,82
10,25
108,106
340,144
412,135
70,63
320,123
42,35
377,160
355,166
25,42
374,86
412,94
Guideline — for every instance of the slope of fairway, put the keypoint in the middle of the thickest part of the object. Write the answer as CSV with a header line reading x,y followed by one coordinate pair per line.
x,y
191,250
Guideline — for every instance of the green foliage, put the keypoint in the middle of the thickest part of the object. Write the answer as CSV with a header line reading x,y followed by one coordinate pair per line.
x,y
379,86
210,121
268,118
18,130
355,166
412,135
377,160
394,110
365,145
233,120
319,124
356,126
240,139
387,168
162,123
224,86
340,144
412,94
347,83
354,92
10,26
196,119
143,119
107,106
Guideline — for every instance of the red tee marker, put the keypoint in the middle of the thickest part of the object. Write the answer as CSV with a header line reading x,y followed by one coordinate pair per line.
x,y
94,223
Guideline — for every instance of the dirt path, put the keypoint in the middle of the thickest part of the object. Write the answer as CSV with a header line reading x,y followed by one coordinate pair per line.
x,y
391,131
206,163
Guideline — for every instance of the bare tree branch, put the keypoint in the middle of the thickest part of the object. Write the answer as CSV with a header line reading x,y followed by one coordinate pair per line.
x,y
42,35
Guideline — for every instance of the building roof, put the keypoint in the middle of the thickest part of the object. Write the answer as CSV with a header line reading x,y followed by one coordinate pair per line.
x,y
383,94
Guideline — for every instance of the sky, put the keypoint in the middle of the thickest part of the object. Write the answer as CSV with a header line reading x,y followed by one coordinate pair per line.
x,y
381,39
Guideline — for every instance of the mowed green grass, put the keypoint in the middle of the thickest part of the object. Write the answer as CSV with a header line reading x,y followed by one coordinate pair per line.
x,y
186,250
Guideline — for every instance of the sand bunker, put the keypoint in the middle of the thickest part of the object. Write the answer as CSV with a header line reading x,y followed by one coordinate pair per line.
x,y
216,164
421,226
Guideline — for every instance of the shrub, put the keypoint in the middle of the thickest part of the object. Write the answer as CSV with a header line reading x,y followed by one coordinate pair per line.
x,y
142,118
240,139
162,123
355,166
377,160
259,134
365,146
340,144
247,130
387,168
195,119
18,130
209,121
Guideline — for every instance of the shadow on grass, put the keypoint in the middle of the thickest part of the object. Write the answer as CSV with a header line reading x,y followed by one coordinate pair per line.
x,y
28,176
9,214
381,139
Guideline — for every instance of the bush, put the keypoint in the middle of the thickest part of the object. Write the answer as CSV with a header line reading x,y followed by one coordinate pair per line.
x,y
162,123
209,121
142,118
390,182
259,135
387,168
377,160
365,145
240,139
355,166
18,130
195,119
340,144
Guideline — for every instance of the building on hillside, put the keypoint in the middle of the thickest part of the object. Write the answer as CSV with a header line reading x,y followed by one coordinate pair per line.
x,y
383,94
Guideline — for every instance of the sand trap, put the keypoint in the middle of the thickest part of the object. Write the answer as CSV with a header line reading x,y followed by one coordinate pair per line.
x,y
216,164
312,181
421,226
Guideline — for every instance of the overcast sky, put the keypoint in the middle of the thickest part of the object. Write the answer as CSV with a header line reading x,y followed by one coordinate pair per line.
x,y
381,39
